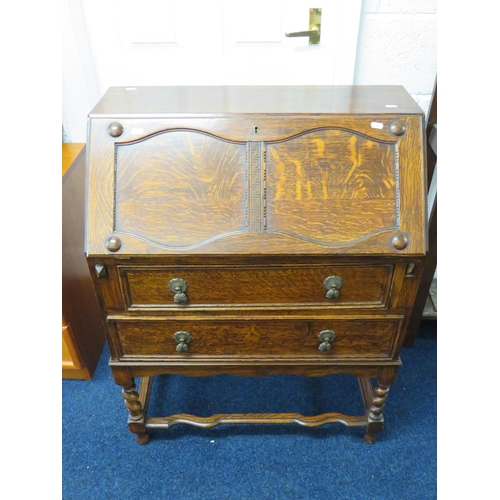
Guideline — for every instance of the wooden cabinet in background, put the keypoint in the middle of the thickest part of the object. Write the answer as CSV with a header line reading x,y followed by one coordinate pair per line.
x,y
82,330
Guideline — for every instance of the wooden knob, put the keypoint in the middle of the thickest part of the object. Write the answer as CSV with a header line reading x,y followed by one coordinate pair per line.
x,y
115,129
400,241
397,127
113,244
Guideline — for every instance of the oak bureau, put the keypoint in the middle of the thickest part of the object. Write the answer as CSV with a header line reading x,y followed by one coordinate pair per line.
x,y
255,231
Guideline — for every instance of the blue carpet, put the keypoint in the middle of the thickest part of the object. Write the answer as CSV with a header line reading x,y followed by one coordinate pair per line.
x,y
101,459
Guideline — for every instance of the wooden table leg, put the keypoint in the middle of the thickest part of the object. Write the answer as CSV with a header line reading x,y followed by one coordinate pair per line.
x,y
375,408
135,402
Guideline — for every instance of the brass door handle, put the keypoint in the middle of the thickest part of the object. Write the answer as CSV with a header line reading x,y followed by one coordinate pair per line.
x,y
309,33
314,31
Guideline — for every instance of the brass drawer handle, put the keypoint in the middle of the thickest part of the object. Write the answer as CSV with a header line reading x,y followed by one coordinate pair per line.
x,y
333,284
326,337
178,286
183,339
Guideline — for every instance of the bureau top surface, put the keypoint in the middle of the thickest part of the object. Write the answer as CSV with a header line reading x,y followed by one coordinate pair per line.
x,y
250,100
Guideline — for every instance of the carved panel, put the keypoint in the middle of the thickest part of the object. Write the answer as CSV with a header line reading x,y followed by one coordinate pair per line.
x,y
255,198
184,188
332,186
180,188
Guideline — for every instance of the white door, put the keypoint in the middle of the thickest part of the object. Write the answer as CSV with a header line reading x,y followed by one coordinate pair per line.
x,y
202,42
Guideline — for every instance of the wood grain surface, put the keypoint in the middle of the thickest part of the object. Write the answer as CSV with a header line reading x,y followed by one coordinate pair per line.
x,y
180,188
362,338
253,196
119,102
363,286
333,183
255,418
318,183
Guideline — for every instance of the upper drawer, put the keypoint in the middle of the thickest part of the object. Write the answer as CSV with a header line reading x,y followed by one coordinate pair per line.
x,y
257,183
340,286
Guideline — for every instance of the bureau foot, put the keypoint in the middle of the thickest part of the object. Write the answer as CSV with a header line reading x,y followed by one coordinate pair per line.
x,y
139,429
142,437
370,438
372,429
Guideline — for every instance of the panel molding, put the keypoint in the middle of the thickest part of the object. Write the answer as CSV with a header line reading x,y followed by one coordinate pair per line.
x,y
256,191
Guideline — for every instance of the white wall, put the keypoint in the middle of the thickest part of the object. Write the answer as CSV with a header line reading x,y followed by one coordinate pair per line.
x,y
397,45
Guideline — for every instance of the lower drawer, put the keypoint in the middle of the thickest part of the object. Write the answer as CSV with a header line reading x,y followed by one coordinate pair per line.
x,y
352,338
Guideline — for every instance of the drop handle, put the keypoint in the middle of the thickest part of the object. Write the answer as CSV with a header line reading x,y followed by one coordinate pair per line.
x,y
178,287
182,338
333,285
326,337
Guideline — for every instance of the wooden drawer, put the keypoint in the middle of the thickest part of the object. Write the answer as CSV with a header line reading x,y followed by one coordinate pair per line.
x,y
147,287
253,338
